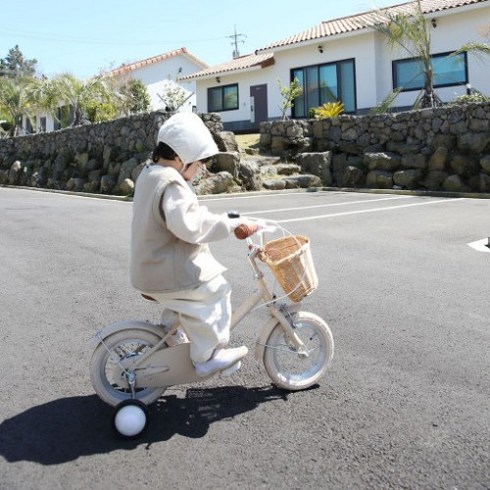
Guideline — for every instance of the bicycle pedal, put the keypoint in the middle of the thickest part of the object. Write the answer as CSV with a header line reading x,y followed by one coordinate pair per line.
x,y
230,370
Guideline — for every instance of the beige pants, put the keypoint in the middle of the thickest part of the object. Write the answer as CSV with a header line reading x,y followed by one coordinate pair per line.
x,y
203,312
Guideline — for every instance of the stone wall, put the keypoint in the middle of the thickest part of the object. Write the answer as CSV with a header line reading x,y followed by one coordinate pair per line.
x,y
97,158
445,149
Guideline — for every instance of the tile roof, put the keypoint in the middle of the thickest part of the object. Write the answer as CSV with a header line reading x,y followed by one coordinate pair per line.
x,y
241,63
364,20
155,59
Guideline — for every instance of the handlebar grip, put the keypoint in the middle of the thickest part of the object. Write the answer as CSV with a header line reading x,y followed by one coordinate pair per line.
x,y
244,231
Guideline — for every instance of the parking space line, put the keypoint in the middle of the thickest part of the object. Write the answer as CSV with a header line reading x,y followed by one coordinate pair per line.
x,y
371,210
301,208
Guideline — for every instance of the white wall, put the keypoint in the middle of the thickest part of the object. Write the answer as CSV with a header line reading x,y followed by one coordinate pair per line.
x,y
245,79
373,64
161,76
453,29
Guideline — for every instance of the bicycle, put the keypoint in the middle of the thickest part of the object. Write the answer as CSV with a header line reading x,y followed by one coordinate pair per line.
x,y
132,365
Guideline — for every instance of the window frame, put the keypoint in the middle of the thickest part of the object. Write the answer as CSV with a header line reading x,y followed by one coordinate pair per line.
x,y
457,83
338,68
221,88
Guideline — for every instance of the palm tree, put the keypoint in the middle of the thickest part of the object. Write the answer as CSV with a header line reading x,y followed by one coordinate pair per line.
x,y
412,34
79,94
16,100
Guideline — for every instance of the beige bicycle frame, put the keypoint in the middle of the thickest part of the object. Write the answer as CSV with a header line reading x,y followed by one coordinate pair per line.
x,y
172,365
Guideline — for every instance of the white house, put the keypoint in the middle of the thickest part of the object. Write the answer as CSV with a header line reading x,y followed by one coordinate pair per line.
x,y
346,59
159,74
162,73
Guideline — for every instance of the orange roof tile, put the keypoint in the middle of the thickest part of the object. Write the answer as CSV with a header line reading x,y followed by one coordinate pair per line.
x,y
364,20
240,63
155,59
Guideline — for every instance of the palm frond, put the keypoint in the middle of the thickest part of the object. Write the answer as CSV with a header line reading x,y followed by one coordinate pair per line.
x,y
478,49
387,103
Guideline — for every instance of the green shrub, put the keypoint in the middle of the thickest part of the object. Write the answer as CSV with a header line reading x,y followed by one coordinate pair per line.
x,y
474,98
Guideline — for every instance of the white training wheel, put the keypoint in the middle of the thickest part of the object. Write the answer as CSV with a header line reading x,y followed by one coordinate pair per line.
x,y
130,419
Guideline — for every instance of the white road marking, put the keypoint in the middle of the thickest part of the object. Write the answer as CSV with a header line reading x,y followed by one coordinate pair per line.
x,y
211,197
370,210
480,245
327,205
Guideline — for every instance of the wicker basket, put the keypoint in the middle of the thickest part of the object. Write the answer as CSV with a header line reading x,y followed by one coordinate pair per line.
x,y
291,262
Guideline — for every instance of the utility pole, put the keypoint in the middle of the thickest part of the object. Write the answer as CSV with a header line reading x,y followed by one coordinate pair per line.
x,y
236,39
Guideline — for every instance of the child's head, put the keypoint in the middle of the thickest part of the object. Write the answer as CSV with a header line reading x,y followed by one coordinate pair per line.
x,y
186,136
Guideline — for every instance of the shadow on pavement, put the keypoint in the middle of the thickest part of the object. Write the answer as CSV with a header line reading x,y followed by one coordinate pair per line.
x,y
65,429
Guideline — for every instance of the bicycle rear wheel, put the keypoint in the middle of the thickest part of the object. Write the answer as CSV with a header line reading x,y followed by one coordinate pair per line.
x,y
286,366
105,366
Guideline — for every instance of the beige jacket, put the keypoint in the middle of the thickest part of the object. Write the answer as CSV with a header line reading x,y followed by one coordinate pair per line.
x,y
170,232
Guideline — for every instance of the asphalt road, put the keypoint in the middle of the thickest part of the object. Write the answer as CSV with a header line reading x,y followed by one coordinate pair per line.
x,y
406,403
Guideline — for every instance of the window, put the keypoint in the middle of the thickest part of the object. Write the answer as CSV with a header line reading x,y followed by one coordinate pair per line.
x,y
223,98
65,115
325,83
408,74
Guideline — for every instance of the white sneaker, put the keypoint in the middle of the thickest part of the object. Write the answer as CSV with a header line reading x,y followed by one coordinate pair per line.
x,y
178,337
232,369
222,360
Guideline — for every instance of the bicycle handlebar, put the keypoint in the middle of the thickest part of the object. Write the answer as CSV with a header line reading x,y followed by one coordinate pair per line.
x,y
258,226
244,231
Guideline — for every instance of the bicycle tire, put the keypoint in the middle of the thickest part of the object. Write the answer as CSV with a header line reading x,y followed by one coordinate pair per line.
x,y
123,344
285,366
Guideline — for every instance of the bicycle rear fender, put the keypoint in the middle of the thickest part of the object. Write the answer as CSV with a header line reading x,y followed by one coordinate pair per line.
x,y
127,325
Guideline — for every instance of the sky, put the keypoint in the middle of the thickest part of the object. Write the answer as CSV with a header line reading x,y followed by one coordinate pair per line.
x,y
87,37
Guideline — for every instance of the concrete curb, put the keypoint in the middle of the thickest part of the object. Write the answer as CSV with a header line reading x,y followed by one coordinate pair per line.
x,y
466,195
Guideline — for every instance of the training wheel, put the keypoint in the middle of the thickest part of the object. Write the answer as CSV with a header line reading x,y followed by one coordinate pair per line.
x,y
130,419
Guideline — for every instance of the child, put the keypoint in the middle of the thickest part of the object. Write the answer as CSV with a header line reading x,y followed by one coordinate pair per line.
x,y
170,257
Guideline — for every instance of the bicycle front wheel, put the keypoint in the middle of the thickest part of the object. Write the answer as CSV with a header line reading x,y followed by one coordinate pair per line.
x,y
290,369
105,366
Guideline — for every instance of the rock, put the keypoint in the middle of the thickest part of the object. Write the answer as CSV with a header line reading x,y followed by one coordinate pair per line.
x,y
249,175
303,181
379,179
318,164
126,187
137,170
414,161
435,179
384,161
407,179
226,141
287,168
453,184
107,184
15,173
439,158
484,183
485,163
226,162
351,177
126,169
274,184
464,165
473,142
91,187
216,184
81,160
75,184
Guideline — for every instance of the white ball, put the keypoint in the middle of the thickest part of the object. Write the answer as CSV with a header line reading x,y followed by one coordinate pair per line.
x,y
130,420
